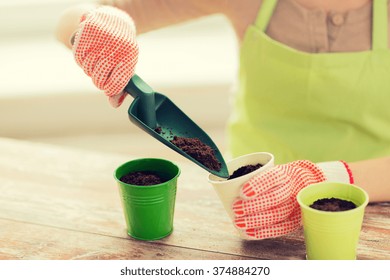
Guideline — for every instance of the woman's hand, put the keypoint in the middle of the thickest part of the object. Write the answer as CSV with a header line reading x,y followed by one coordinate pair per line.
x,y
106,49
103,45
268,206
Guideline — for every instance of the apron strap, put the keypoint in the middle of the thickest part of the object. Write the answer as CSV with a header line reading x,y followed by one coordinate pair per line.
x,y
265,13
379,25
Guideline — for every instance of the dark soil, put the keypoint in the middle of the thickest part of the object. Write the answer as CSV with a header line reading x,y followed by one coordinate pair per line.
x,y
142,178
158,129
198,150
333,204
243,170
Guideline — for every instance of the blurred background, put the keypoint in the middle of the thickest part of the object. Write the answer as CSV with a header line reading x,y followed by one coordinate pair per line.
x,y
46,97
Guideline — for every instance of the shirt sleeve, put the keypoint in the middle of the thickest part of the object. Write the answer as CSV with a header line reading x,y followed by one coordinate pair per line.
x,y
153,14
336,171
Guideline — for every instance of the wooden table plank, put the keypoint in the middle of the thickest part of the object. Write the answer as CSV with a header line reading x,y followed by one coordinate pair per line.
x,y
74,190
375,235
35,242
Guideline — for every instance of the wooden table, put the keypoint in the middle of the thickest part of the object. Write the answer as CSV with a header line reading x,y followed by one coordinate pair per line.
x,y
60,203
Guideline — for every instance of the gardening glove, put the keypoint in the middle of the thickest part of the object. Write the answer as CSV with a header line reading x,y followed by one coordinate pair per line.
x,y
267,206
105,48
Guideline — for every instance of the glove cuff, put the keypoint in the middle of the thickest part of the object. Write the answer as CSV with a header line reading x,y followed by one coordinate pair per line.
x,y
336,171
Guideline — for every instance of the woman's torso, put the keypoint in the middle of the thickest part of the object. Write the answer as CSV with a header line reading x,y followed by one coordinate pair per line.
x,y
307,25
310,105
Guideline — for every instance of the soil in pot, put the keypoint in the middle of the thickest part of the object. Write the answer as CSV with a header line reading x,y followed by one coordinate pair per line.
x,y
333,204
142,178
243,170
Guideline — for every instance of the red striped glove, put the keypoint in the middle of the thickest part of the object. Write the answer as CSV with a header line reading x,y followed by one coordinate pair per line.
x,y
268,206
106,49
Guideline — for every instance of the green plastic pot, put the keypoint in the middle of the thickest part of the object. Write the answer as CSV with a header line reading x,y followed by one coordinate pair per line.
x,y
149,210
332,235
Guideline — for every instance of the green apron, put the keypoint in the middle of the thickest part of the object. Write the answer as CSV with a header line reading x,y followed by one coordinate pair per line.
x,y
315,106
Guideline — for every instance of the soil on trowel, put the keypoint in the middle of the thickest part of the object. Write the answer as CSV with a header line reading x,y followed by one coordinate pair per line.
x,y
158,129
198,150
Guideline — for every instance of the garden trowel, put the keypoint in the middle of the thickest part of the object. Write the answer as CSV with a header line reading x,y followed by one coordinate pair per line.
x,y
157,115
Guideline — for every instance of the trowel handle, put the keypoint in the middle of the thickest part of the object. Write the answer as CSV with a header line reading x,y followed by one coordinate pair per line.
x,y
137,88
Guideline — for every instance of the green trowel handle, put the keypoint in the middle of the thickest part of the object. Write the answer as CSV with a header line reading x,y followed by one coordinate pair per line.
x,y
137,88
